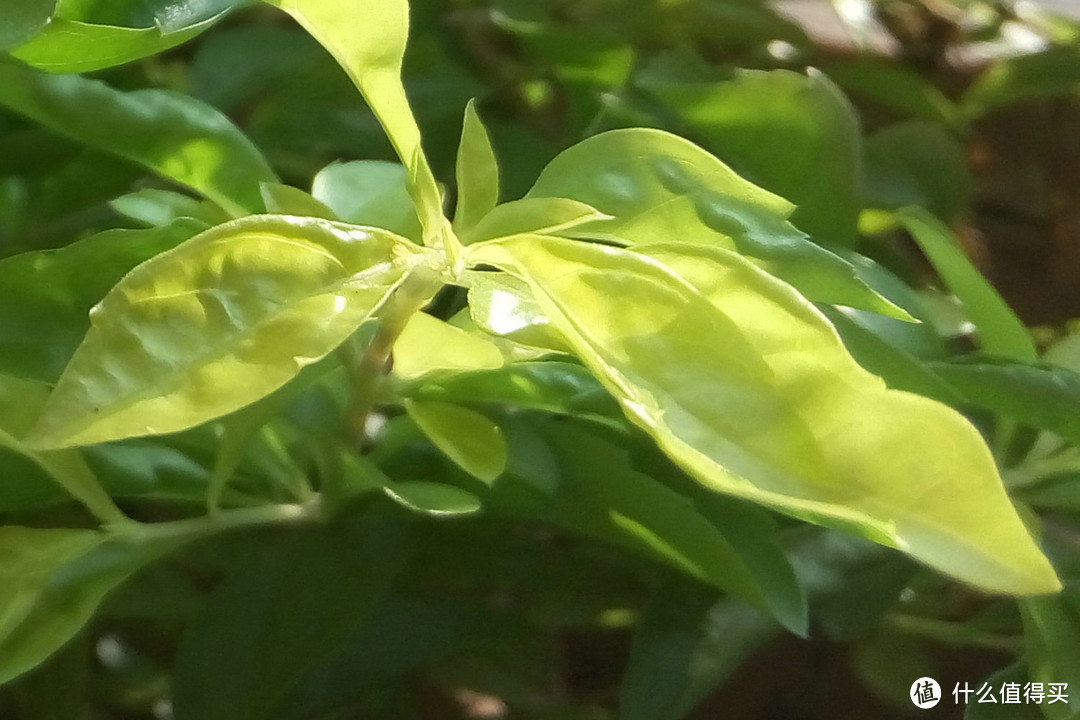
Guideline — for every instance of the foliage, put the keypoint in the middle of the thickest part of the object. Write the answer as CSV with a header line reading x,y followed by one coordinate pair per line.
x,y
284,436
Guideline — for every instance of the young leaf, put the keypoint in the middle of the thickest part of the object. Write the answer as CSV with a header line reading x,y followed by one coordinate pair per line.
x,y
468,438
217,323
174,135
477,173
531,216
369,192
71,46
747,387
659,187
428,345
371,52
1000,331
287,200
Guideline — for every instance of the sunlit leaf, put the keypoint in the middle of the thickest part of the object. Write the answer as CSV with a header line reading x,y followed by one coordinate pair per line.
x,y
531,215
217,323
428,345
661,188
174,135
747,387
287,200
477,173
470,439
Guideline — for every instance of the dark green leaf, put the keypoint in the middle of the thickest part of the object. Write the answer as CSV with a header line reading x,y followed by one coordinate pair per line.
x,y
173,135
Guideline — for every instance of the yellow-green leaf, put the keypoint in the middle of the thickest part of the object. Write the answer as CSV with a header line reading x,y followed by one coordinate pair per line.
x,y
746,385
470,439
428,345
477,173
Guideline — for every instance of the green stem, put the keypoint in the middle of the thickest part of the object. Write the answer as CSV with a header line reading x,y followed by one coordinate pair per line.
x,y
211,524
950,633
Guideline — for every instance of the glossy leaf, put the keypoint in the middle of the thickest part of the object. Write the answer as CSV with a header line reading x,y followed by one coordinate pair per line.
x,y
62,285
71,46
1000,331
814,435
661,188
502,305
794,134
470,439
54,580
24,20
531,215
368,192
433,499
429,345
477,173
174,135
217,323
371,53
1042,396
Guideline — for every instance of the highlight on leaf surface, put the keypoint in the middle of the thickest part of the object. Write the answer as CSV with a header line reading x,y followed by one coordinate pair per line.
x,y
218,322
746,385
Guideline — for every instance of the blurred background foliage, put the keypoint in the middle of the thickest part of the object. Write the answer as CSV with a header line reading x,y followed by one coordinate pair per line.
x,y
968,108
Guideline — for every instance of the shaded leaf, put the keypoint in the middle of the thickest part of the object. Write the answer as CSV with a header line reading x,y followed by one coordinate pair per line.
x,y
999,329
368,192
24,20
174,135
287,200
431,498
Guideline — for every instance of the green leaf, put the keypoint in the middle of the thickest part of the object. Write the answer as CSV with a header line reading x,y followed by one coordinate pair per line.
x,y
502,305
24,20
917,163
281,615
1052,643
217,323
434,499
687,644
531,215
71,46
477,173
1053,72
895,87
287,200
1000,331
470,439
62,285
174,135
429,345
158,208
815,436
1045,397
600,494
371,53
368,192
795,135
53,580
20,402
659,187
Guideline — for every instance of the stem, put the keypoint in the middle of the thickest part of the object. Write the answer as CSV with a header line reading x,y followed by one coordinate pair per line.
x,y
950,633
210,524
1031,471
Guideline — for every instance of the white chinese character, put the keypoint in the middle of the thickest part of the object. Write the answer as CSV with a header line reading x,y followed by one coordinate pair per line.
x,y
1010,693
1057,692
1033,693
986,694
957,692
